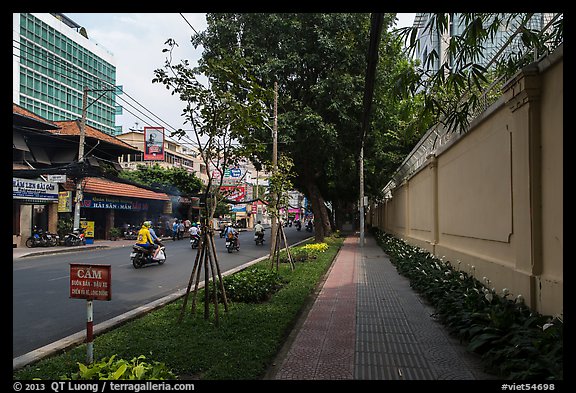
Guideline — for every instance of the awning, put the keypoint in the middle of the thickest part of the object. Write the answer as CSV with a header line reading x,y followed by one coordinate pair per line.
x,y
18,142
96,185
64,156
40,155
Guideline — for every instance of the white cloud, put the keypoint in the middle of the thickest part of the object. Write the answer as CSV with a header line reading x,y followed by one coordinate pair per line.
x,y
137,40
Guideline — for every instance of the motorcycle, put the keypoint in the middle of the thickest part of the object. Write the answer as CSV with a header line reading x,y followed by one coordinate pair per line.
x,y
232,243
141,256
298,225
194,241
37,239
259,238
52,238
75,238
130,233
309,227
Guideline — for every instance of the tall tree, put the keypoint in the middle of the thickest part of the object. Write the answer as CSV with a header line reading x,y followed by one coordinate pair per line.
x,y
454,90
319,62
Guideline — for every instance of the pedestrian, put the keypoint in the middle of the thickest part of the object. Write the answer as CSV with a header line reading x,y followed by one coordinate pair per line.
x,y
175,230
167,227
187,225
180,230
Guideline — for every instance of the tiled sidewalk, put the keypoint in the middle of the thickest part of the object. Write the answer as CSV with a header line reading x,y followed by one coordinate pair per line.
x,y
368,324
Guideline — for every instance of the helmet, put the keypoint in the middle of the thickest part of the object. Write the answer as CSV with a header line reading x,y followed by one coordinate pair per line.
x,y
147,224
193,224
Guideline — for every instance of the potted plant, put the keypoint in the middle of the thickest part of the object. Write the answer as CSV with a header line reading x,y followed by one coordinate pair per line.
x,y
114,233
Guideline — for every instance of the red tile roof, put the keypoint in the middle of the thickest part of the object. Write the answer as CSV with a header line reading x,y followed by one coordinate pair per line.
x,y
101,186
72,127
25,112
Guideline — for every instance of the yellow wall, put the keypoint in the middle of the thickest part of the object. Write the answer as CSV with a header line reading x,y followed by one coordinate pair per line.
x,y
491,201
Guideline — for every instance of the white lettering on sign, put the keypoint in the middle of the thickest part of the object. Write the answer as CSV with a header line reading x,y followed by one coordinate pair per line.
x,y
89,274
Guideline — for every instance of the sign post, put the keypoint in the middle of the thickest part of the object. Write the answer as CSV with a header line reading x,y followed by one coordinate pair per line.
x,y
90,282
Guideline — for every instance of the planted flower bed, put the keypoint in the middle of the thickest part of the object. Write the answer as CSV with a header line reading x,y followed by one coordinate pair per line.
x,y
513,341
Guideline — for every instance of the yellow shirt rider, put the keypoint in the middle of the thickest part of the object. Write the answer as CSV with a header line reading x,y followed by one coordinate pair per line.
x,y
144,238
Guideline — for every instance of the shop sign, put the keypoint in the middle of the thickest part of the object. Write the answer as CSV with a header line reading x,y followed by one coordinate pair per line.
x,y
57,178
65,202
91,282
239,208
33,189
95,202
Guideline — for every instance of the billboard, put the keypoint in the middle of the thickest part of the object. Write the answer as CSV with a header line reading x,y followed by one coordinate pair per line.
x,y
153,143
234,193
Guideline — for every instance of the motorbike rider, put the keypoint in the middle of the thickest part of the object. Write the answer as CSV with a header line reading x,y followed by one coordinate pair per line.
x,y
259,229
234,232
194,231
145,239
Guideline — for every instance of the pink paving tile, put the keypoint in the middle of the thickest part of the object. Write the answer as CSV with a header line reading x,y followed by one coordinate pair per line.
x,y
324,346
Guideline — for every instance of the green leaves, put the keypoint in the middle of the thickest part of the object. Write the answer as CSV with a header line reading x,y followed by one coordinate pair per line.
x,y
514,341
110,368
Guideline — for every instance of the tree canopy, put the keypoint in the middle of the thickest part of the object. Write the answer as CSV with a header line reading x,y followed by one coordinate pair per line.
x,y
176,181
319,62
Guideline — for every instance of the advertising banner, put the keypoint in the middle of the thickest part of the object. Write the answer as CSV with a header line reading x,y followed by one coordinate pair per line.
x,y
33,189
153,143
65,202
234,193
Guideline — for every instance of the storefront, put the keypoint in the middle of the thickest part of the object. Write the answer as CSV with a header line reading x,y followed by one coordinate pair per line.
x,y
110,204
34,204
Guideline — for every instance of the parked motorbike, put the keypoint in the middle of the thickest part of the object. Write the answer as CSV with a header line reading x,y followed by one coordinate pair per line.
x,y
75,238
131,233
37,239
52,238
194,241
298,225
141,256
259,238
232,243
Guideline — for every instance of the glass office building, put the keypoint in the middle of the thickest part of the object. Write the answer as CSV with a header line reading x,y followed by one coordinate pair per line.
x,y
53,60
439,42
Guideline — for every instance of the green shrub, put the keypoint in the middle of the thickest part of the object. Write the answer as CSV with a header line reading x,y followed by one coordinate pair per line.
x,y
120,369
252,285
513,341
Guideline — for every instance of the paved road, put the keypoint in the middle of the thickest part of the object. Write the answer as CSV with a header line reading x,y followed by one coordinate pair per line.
x,y
44,313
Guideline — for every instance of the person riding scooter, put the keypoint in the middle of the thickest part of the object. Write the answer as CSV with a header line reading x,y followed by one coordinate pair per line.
x,y
258,232
145,239
231,233
194,235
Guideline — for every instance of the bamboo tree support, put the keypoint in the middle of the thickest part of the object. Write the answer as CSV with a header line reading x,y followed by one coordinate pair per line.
x,y
281,236
206,256
198,257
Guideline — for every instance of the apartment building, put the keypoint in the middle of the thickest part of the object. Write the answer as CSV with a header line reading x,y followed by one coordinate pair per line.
x,y
53,61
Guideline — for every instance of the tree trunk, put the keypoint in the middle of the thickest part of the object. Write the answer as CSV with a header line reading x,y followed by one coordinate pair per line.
x,y
322,226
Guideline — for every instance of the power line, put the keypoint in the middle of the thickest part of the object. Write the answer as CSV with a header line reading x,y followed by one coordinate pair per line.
x,y
192,27
71,72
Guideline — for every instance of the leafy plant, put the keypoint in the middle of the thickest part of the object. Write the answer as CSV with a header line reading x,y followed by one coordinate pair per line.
x,y
114,233
252,285
116,369
512,340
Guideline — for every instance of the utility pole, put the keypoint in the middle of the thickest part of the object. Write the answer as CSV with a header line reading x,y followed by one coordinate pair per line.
x,y
375,33
79,196
274,167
